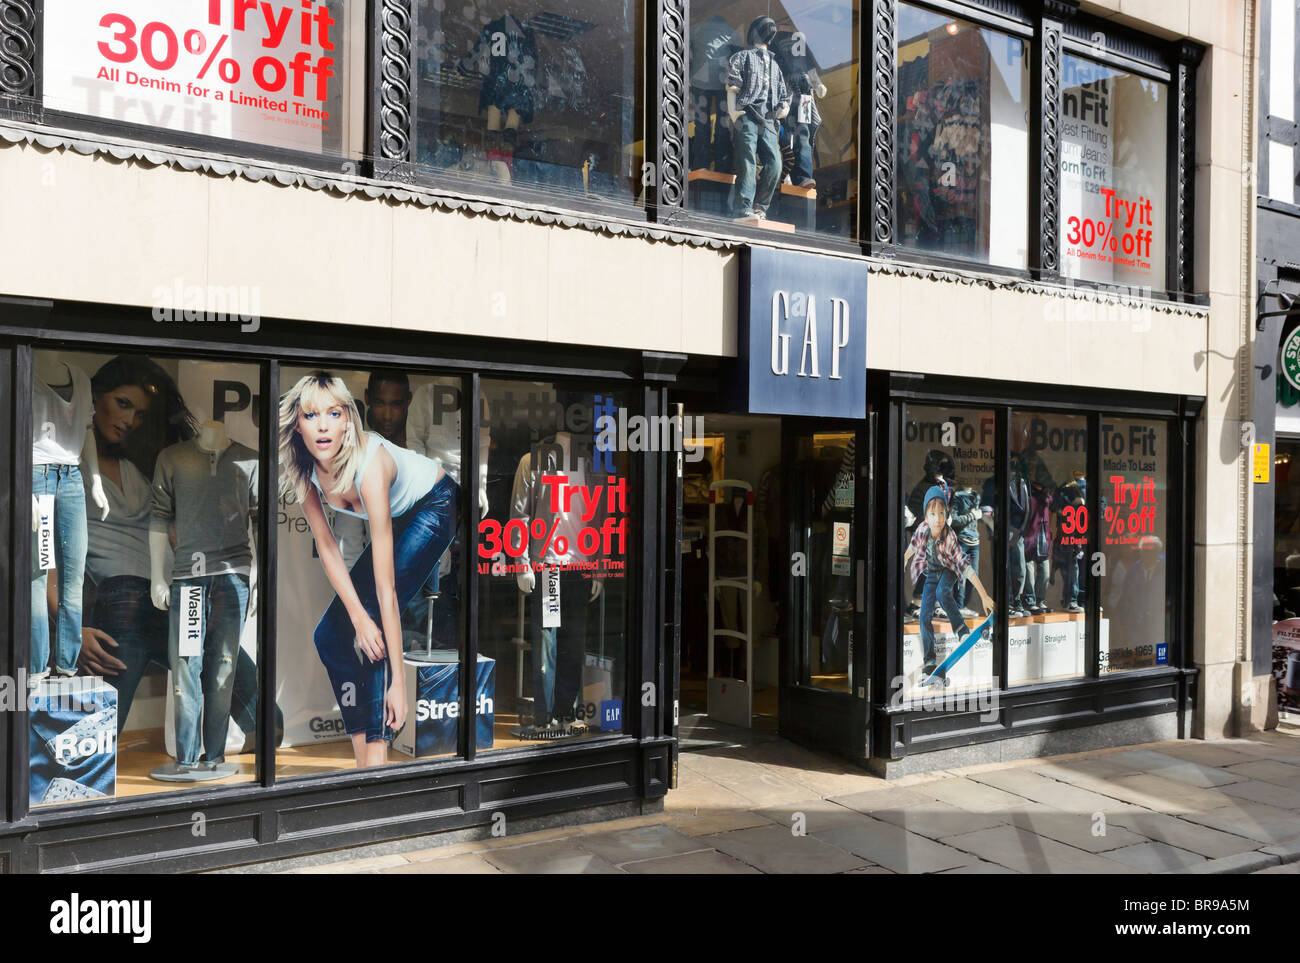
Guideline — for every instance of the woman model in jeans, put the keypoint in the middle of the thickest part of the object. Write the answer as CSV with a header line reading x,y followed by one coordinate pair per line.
x,y
327,456
137,412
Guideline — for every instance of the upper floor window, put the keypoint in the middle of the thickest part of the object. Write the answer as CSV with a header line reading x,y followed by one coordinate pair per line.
x,y
774,116
543,95
282,75
963,139
1114,142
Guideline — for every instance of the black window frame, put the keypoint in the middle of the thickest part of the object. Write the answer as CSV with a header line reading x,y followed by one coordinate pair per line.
x,y
30,326
1039,705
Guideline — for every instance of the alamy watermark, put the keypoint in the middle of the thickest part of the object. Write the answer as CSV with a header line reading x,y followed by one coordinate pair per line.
x,y
938,698
209,304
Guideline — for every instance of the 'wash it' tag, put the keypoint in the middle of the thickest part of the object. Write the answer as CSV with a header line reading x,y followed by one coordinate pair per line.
x,y
190,624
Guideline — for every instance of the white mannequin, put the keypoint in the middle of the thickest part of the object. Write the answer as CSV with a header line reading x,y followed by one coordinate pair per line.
x,y
527,579
54,373
212,438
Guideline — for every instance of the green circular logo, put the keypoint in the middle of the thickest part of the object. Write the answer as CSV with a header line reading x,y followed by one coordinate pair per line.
x,y
1291,358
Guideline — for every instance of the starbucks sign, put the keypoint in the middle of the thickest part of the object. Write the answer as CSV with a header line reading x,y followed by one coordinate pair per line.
x,y
1291,357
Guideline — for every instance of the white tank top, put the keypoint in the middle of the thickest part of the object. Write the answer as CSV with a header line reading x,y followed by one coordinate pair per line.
x,y
416,476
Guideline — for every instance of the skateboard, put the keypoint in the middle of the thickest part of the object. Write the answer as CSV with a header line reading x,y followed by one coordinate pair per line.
x,y
968,643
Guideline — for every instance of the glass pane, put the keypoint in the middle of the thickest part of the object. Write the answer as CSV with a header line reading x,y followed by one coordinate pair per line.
x,y
949,465
963,139
1047,543
1114,144
1135,507
369,494
553,554
530,94
144,583
774,127
824,478
272,74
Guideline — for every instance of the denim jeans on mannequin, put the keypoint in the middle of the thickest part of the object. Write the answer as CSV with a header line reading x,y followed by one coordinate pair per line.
x,y
419,538
63,482
559,652
755,145
1016,571
205,684
802,137
1036,575
125,612
939,589
968,587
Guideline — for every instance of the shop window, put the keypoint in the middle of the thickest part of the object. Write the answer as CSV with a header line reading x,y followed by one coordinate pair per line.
x,y
963,139
1114,142
774,121
281,75
1047,568
1135,503
950,522
554,550
142,657
371,493
539,95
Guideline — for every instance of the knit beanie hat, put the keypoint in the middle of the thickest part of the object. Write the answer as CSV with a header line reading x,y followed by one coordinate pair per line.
x,y
936,491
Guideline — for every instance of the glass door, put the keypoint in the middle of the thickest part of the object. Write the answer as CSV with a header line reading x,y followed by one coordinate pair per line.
x,y
823,686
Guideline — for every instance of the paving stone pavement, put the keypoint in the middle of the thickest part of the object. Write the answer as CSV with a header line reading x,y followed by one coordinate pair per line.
x,y
768,806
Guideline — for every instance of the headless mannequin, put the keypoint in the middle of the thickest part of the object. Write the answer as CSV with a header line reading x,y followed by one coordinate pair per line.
x,y
212,438
527,579
501,150
57,375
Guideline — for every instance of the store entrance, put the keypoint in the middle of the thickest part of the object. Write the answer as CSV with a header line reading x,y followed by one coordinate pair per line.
x,y
773,540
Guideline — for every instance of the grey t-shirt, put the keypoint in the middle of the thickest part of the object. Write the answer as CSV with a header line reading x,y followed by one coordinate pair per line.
x,y
210,497
119,545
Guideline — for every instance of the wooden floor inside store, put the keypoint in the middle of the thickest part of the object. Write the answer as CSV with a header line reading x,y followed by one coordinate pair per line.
x,y
142,750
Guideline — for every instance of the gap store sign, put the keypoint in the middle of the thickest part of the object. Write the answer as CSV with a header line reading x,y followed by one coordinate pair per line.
x,y
802,342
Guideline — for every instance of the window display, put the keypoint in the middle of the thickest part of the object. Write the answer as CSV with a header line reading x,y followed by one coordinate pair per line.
x,y
1047,544
553,554
949,463
963,139
285,75
1135,499
1114,141
774,128
371,646
144,508
515,92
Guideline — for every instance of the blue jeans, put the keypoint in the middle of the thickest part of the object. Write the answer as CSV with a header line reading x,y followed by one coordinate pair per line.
x,y
205,684
419,538
801,141
1070,588
972,553
124,611
1016,572
64,483
559,653
939,588
755,144
1036,574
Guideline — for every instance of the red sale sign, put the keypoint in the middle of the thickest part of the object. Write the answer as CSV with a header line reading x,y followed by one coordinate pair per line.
x,y
270,73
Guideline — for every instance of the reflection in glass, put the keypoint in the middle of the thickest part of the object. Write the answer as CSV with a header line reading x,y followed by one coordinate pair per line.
x,y
534,95
1113,149
963,141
